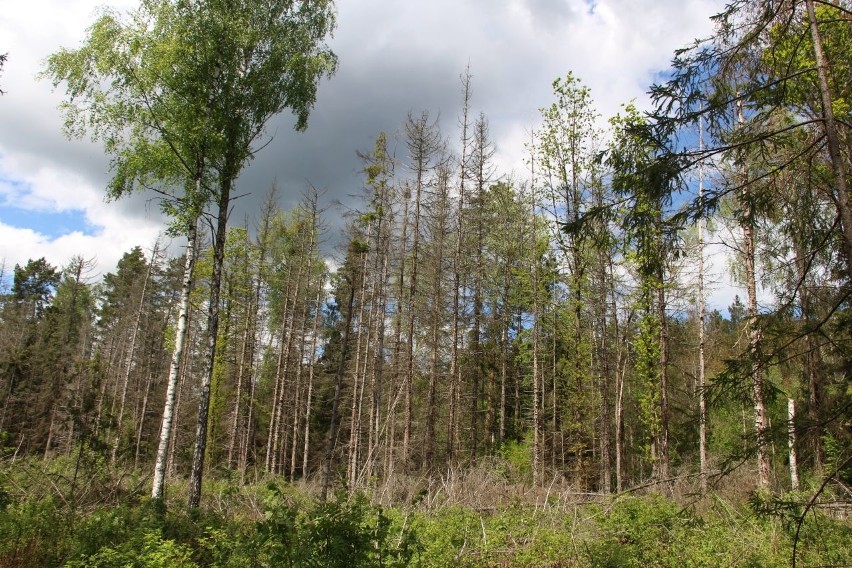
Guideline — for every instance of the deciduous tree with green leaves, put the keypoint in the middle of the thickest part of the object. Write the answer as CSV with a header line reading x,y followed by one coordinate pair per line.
x,y
180,92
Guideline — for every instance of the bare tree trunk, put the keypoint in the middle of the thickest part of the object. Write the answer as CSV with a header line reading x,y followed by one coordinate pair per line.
x,y
620,370
438,233
537,418
619,430
50,431
247,442
482,152
754,340
244,367
359,382
378,360
604,374
398,372
754,335
192,336
791,441
838,160
455,367
504,377
175,366
663,438
409,336
297,394
141,425
271,460
520,424
276,443
423,142
246,436
213,307
101,394
702,317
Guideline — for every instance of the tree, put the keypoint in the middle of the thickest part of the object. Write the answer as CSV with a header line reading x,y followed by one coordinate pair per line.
x,y
348,279
23,315
566,145
34,285
644,183
180,94
275,56
47,319
771,86
155,126
425,148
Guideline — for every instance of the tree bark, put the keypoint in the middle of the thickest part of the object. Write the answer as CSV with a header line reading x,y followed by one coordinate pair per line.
x,y
175,366
791,442
702,317
224,200
838,161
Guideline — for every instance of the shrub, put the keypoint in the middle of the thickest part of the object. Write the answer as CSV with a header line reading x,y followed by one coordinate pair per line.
x,y
343,532
147,550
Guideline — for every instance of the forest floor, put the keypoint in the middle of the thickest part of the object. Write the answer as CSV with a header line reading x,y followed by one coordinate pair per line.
x,y
84,513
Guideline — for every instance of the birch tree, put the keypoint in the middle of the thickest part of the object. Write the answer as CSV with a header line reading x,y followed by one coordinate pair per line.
x,y
192,86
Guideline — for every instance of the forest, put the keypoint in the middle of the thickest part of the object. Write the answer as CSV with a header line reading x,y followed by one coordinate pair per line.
x,y
497,370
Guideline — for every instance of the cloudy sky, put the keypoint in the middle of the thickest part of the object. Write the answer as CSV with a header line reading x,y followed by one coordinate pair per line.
x,y
395,57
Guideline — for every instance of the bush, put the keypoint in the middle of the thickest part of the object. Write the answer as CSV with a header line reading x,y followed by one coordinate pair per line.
x,y
343,532
148,550
634,532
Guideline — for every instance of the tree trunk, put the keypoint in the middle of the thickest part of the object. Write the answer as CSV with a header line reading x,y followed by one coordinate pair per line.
x,y
663,438
141,426
455,367
791,441
754,336
359,382
702,317
537,418
838,160
310,388
194,496
175,365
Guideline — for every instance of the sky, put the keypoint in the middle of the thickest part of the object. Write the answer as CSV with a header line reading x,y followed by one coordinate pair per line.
x,y
394,58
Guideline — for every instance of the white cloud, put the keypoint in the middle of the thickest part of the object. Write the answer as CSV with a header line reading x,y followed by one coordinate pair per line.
x,y
39,169
43,187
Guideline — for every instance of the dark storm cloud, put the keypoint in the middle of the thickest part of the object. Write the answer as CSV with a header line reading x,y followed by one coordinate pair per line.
x,y
372,92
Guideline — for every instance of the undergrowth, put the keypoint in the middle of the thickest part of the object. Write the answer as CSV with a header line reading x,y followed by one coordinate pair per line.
x,y
47,520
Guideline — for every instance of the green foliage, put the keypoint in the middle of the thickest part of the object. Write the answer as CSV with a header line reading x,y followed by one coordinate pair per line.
x,y
517,458
31,534
447,535
35,283
633,532
296,532
647,346
149,550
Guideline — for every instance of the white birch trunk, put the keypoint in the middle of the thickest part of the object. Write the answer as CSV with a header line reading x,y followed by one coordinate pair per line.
x,y
174,367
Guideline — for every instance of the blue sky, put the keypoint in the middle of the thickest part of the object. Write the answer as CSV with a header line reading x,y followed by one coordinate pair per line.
x,y
52,224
